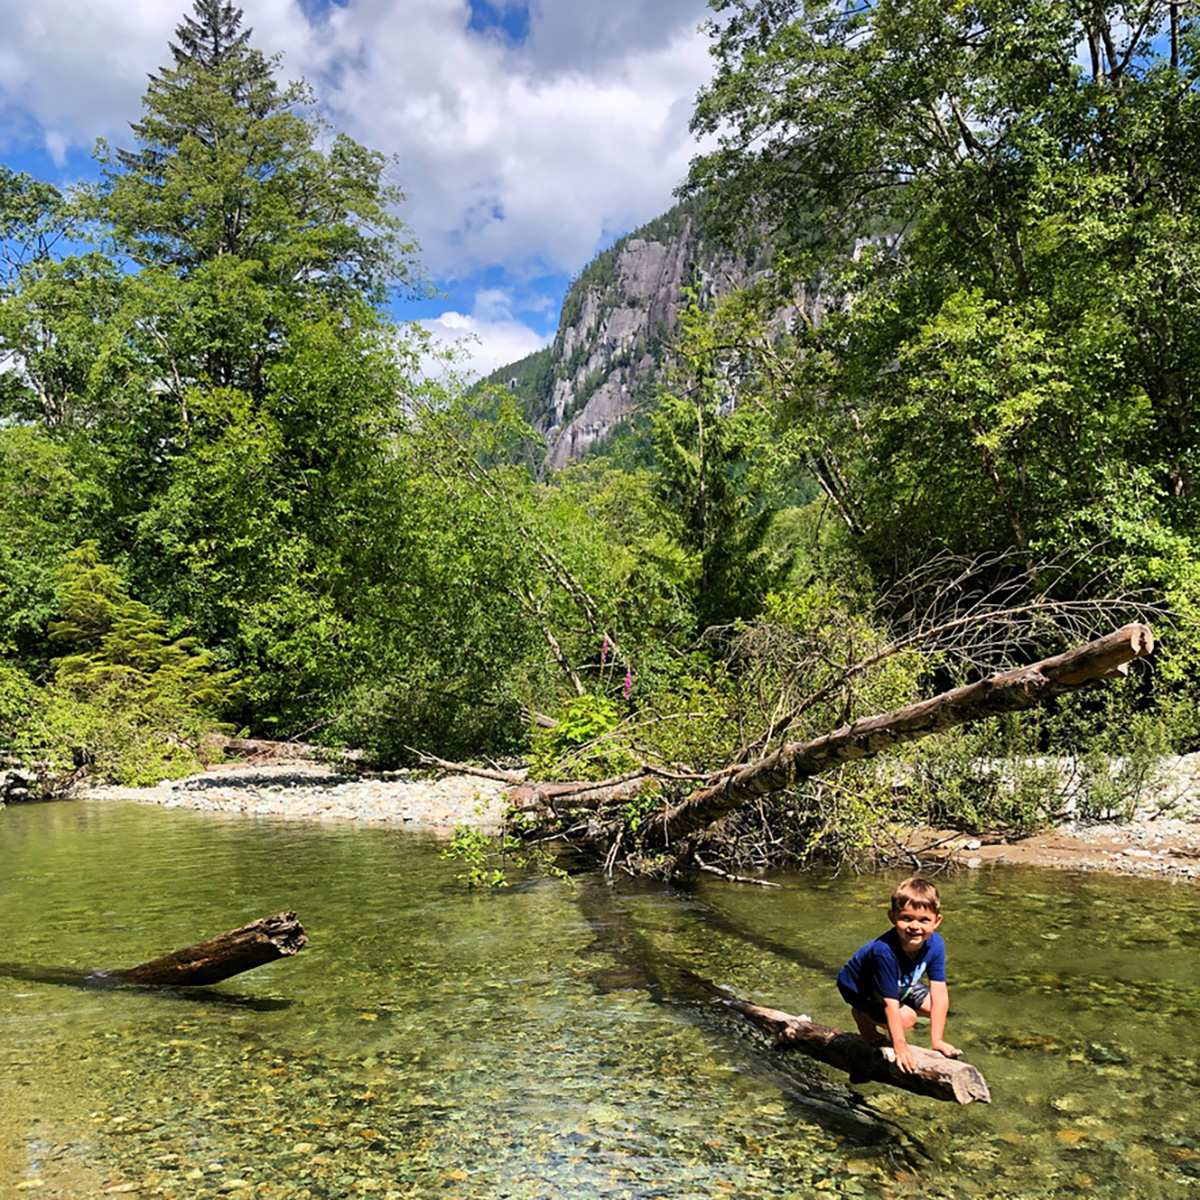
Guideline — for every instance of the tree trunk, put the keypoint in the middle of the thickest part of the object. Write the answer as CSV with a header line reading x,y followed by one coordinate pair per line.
x,y
242,949
937,1076
1007,691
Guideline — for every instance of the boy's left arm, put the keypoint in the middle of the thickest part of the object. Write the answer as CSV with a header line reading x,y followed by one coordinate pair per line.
x,y
939,1006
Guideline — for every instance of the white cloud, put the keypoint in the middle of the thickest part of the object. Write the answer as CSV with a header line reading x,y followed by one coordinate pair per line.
x,y
487,338
77,69
514,154
529,158
584,37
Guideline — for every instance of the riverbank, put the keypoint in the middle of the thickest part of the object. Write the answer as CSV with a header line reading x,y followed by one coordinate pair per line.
x,y
303,790
1162,840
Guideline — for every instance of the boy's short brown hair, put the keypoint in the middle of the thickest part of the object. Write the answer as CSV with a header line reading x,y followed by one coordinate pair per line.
x,y
917,892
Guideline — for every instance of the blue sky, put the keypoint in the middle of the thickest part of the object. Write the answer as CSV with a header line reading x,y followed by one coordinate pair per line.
x,y
528,134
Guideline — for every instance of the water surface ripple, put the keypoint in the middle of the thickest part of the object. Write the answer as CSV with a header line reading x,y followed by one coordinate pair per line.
x,y
535,1042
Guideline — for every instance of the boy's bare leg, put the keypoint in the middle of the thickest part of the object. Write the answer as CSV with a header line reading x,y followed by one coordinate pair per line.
x,y
868,1030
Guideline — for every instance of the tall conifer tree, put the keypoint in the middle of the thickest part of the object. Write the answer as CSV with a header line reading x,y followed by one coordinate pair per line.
x,y
211,35
240,223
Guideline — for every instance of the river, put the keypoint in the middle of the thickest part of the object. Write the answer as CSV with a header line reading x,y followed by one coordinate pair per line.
x,y
534,1042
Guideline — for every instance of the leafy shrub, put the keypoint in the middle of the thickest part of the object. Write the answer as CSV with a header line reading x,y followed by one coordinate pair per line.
x,y
128,701
580,746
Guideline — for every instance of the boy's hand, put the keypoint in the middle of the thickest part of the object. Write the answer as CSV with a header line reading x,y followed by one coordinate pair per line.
x,y
906,1060
946,1049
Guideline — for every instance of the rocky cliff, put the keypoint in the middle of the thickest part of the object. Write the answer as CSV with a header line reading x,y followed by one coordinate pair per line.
x,y
618,323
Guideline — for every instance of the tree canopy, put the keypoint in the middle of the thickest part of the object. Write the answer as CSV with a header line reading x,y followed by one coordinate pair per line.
x,y
1002,199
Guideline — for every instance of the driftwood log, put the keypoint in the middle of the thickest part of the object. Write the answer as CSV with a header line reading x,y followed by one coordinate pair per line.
x,y
242,949
937,1076
265,940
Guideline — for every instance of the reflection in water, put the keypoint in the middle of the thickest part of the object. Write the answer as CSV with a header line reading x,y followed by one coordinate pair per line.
x,y
431,1041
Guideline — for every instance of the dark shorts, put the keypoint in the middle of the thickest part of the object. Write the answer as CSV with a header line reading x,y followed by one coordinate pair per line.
x,y
916,999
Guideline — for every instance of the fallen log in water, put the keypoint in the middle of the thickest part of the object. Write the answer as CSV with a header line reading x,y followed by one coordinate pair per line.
x,y
937,1076
253,945
242,949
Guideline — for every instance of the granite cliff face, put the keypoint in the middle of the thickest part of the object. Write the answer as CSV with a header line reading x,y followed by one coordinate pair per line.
x,y
618,323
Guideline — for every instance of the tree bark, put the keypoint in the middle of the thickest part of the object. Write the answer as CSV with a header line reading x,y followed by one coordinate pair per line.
x,y
937,1076
262,941
1006,691
542,796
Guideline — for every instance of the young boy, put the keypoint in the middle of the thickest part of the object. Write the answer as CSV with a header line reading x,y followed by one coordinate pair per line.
x,y
882,982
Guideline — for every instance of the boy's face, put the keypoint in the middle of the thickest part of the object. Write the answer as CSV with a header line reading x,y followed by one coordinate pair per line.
x,y
914,925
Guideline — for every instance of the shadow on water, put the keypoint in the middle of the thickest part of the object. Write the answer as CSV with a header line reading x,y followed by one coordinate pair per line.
x,y
722,922
98,981
641,965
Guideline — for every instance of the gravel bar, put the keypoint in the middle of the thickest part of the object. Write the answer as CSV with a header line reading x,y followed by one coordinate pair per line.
x,y
304,791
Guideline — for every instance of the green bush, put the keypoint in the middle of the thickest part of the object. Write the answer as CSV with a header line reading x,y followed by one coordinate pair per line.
x,y
127,701
580,746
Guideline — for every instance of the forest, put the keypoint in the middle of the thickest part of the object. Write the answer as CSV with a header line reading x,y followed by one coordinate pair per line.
x,y
236,499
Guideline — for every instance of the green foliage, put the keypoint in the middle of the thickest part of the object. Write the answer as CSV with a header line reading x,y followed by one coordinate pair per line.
x,y
645,805
117,642
207,394
709,448
118,732
18,696
1042,296
488,857
815,653
582,719
1087,759
980,781
476,852
136,704
578,747
530,380
222,383
45,495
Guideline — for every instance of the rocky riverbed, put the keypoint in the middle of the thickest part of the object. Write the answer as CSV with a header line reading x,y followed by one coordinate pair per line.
x,y
310,791
1161,840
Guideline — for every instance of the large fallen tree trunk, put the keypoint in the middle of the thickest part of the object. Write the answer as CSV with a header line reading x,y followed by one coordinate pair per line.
x,y
937,1076
242,949
1007,691
728,789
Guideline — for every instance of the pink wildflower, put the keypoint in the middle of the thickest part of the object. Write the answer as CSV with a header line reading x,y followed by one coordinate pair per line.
x,y
628,689
604,651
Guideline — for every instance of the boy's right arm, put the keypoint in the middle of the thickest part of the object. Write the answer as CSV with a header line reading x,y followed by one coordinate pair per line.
x,y
906,1060
939,1006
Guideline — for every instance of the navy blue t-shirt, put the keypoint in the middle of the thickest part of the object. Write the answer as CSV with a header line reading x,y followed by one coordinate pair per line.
x,y
881,970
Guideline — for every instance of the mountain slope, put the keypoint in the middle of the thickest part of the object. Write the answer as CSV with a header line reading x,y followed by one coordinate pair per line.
x,y
618,324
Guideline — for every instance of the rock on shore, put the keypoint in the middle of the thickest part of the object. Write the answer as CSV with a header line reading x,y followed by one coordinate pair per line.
x,y
310,791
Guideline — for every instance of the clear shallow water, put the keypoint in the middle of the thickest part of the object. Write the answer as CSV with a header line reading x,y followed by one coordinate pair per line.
x,y
538,1042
